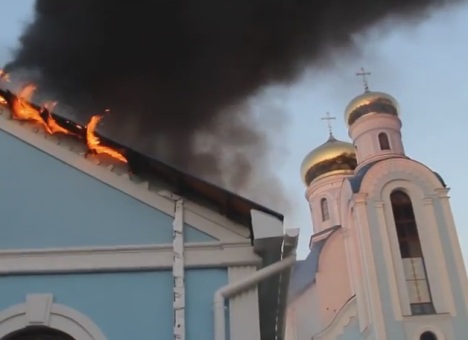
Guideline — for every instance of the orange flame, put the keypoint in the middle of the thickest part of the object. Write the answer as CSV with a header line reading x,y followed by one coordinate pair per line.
x,y
94,144
52,124
4,76
23,110
3,101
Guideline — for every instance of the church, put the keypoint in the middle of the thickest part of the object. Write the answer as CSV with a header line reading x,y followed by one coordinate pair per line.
x,y
114,245
385,261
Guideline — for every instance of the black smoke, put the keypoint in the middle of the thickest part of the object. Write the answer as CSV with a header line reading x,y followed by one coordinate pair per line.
x,y
174,70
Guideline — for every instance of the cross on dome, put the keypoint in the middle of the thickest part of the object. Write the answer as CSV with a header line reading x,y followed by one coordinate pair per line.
x,y
329,118
363,73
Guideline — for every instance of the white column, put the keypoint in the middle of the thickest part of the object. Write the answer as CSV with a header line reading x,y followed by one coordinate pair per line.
x,y
244,312
373,289
394,264
178,271
452,232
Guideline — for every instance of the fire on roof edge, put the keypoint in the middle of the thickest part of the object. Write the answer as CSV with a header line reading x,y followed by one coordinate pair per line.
x,y
233,206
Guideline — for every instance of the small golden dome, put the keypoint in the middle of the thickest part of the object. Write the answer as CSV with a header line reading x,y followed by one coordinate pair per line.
x,y
333,156
369,103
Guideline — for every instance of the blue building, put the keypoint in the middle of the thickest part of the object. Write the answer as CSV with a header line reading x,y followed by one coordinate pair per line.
x,y
93,249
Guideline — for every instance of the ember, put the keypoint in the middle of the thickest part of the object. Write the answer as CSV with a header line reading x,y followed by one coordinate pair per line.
x,y
22,109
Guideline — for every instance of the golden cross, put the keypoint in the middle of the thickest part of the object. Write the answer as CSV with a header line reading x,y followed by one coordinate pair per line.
x,y
328,118
363,73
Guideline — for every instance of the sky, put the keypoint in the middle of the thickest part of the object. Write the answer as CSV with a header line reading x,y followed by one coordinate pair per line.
x,y
423,65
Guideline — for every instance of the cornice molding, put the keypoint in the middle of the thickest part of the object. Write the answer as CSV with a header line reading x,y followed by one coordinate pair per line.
x,y
124,258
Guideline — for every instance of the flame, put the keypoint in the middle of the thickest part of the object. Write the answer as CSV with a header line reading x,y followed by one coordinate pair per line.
x,y
4,76
53,126
94,144
23,110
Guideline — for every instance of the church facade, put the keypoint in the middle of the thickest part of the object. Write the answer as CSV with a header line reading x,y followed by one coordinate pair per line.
x,y
384,261
90,250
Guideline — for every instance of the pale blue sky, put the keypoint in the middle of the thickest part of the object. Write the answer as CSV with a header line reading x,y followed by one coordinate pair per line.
x,y
422,65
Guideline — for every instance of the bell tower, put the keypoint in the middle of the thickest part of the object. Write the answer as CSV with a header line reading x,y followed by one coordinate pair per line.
x,y
408,273
374,125
323,172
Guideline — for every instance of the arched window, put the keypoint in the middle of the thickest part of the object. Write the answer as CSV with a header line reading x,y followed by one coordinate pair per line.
x,y
38,333
383,141
411,254
428,336
324,209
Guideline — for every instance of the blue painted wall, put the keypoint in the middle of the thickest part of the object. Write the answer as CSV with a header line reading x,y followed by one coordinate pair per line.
x,y
126,305
194,235
56,205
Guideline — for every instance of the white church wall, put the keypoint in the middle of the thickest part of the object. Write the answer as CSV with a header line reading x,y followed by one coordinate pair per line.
x,y
332,279
365,131
304,316
448,293
329,189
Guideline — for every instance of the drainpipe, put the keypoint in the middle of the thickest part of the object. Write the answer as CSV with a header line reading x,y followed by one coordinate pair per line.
x,y
240,286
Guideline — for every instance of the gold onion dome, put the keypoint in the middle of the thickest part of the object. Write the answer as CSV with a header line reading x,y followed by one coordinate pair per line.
x,y
370,103
332,157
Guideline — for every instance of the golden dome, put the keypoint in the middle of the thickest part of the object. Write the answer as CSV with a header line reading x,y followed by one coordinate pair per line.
x,y
369,103
333,156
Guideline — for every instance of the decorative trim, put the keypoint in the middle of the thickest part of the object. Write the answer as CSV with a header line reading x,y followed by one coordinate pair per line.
x,y
443,192
342,319
378,204
37,309
381,173
360,198
178,271
124,258
46,313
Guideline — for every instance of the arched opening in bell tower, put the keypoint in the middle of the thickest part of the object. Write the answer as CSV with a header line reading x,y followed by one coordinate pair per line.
x,y
324,209
411,254
384,143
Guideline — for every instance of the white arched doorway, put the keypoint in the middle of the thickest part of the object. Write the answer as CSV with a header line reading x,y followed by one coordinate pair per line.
x,y
39,310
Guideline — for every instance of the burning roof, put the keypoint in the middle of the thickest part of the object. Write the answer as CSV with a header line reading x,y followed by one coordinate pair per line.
x,y
141,169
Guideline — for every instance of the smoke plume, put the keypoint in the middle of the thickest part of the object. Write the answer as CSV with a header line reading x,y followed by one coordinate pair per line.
x,y
177,74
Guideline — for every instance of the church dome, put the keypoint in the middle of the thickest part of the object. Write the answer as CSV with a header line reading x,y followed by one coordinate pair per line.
x,y
333,156
370,103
